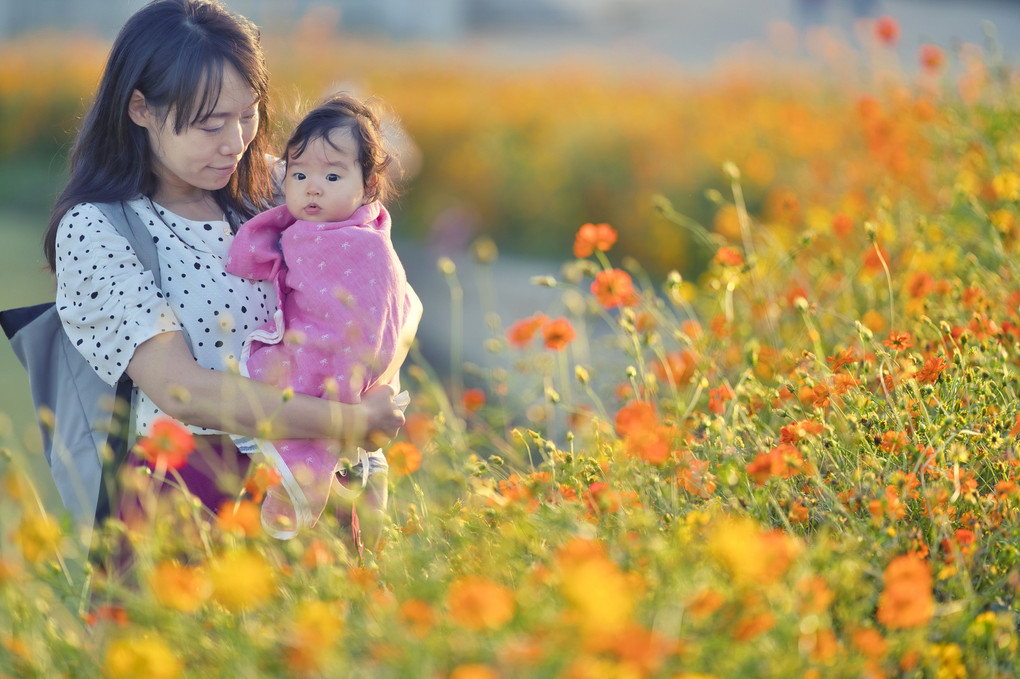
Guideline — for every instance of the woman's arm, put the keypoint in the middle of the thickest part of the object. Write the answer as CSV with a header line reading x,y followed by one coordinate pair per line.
x,y
164,368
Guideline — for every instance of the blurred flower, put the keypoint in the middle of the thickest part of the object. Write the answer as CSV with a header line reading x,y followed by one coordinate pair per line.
x,y
558,334
477,603
906,600
314,631
183,588
241,579
473,671
168,444
473,399
752,556
728,256
38,536
613,288
887,30
404,458
520,333
240,516
263,479
419,617
1006,186
842,225
141,656
931,57
592,237
316,555
601,595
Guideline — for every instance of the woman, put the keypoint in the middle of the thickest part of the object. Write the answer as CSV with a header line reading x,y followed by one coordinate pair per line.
x,y
178,132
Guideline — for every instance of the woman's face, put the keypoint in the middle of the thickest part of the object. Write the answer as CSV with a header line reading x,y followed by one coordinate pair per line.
x,y
205,154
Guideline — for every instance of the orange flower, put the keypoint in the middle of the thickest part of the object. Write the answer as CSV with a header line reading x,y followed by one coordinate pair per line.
x,y
795,431
169,443
676,368
613,288
241,517
931,370
932,57
404,458
418,616
520,333
592,237
887,30
906,600
634,417
783,461
717,398
898,341
558,334
262,480
841,359
183,588
842,225
473,671
728,256
477,603
473,399
317,554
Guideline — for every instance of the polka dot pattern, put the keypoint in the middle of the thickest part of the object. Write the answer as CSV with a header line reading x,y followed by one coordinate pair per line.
x,y
110,304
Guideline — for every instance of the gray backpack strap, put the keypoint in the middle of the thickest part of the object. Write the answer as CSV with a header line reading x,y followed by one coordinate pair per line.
x,y
130,226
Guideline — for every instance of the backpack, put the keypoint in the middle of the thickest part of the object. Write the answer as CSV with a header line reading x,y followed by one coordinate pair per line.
x,y
85,422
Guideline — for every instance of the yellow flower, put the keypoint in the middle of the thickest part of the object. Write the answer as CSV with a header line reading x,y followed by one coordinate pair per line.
x,y
473,671
38,535
316,628
598,591
241,579
1006,186
184,588
145,657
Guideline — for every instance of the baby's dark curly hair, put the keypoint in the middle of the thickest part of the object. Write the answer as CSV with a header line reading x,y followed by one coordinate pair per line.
x,y
345,112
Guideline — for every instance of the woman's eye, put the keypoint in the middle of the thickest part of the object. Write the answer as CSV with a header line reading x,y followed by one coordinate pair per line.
x,y
332,177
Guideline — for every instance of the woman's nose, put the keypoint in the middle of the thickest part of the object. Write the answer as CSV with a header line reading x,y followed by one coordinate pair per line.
x,y
233,141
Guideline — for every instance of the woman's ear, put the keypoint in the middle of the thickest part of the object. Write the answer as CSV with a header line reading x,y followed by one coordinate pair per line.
x,y
138,110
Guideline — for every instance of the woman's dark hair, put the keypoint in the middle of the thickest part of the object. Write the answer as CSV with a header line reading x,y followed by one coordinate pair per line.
x,y
345,112
174,52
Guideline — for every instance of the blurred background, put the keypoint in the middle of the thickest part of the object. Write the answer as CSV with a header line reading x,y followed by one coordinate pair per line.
x,y
517,122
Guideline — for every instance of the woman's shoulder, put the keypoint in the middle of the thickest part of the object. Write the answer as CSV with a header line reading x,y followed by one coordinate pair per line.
x,y
88,212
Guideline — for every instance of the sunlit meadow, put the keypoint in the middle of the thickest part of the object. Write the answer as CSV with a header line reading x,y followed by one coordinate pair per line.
x,y
768,430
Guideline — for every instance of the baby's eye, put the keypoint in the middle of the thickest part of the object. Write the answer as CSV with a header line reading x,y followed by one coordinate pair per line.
x,y
298,176
332,177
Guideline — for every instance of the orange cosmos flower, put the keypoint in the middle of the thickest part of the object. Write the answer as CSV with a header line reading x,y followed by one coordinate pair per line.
x,y
887,30
169,443
520,333
240,517
842,225
473,671
614,288
477,603
728,256
558,334
932,57
898,341
262,480
473,399
906,600
404,458
931,370
677,368
419,617
795,431
592,237
717,398
183,588
635,416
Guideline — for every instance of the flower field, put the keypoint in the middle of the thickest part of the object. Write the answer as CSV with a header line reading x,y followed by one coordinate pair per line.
x,y
798,461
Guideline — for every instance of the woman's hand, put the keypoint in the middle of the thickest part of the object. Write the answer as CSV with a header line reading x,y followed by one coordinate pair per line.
x,y
384,418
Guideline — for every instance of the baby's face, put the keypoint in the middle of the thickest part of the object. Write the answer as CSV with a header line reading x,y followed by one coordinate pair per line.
x,y
325,183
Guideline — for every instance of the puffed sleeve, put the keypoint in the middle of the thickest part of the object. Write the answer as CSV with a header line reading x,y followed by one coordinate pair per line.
x,y
108,302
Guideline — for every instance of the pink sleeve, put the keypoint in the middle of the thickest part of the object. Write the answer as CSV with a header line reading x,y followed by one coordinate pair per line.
x,y
255,251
